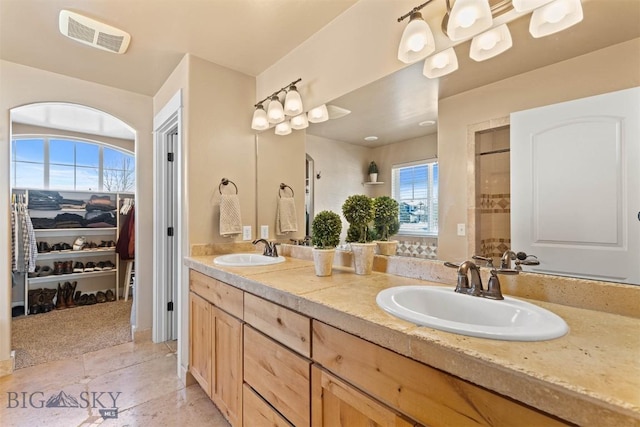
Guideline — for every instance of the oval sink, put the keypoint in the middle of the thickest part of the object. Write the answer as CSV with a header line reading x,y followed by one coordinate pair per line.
x,y
247,260
446,310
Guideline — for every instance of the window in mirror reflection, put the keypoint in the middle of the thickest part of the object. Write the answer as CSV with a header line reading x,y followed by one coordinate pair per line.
x,y
415,187
70,164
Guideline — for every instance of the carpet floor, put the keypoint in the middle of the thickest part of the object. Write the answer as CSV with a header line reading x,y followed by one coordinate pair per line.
x,y
62,334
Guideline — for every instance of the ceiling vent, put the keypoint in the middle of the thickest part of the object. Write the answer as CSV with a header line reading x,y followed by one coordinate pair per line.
x,y
93,33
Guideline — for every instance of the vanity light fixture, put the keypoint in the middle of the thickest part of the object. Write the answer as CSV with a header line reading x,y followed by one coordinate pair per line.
x,y
417,39
490,43
260,120
292,102
276,112
318,114
283,128
473,19
299,122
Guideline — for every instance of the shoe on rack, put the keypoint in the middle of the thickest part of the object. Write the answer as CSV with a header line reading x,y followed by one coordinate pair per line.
x,y
83,300
58,267
79,243
91,245
68,267
45,270
60,304
34,300
90,266
78,267
92,299
48,295
65,247
56,247
71,289
108,265
43,247
99,266
101,297
34,273
76,297
110,295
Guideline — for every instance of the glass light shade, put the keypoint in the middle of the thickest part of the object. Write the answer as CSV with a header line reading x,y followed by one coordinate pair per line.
x,y
490,43
440,64
260,120
318,114
468,18
299,122
417,40
528,5
555,16
292,102
275,111
283,128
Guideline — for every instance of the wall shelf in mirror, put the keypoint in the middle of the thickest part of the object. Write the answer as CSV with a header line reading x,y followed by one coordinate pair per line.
x,y
373,183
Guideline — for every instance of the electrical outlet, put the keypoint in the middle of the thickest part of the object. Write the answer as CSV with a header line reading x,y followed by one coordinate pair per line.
x,y
246,232
461,230
264,231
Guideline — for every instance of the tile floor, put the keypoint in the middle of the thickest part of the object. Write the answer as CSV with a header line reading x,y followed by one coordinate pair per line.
x,y
144,375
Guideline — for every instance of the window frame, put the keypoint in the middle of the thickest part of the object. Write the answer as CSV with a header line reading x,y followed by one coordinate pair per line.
x,y
431,199
46,139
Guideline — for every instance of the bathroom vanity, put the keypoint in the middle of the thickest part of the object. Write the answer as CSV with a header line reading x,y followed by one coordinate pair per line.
x,y
277,345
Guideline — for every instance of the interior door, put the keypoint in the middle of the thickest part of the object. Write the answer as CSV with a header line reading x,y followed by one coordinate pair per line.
x,y
575,181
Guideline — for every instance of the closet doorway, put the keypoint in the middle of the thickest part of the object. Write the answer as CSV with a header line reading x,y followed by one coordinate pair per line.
x,y
73,195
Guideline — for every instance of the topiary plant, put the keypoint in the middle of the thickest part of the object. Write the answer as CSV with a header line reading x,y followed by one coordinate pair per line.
x,y
373,168
325,230
358,211
385,217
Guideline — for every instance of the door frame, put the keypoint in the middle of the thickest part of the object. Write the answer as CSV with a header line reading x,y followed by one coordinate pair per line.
x,y
164,123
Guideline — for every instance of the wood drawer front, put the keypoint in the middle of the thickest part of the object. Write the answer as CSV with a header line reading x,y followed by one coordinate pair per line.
x,y
217,293
423,393
257,413
283,325
279,375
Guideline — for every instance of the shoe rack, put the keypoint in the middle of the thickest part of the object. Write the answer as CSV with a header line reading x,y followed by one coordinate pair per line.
x,y
62,240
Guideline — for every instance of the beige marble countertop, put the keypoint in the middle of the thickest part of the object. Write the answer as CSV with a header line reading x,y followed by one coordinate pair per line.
x,y
591,376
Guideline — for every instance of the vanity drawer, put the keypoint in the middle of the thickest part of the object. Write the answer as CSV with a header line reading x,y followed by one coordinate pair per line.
x,y
428,395
279,375
257,413
283,325
217,293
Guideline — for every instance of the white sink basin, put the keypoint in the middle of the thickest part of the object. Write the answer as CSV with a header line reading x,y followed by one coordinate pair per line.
x,y
247,260
444,309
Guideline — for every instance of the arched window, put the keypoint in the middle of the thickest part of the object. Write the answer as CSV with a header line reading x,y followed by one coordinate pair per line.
x,y
64,163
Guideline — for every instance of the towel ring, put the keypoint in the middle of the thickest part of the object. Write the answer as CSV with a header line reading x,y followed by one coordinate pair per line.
x,y
282,187
225,181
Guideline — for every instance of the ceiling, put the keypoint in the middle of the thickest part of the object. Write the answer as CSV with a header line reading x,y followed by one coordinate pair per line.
x,y
392,107
245,35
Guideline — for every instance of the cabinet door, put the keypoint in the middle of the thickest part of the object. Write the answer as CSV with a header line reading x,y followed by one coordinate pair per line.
x,y
335,403
200,339
226,373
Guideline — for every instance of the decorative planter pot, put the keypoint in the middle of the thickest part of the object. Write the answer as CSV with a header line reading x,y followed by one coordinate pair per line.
x,y
323,261
387,247
363,257
373,177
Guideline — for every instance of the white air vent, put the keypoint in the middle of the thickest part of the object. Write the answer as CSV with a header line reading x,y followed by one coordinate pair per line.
x,y
93,33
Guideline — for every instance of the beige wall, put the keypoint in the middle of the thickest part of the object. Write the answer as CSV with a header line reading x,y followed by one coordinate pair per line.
x,y
22,85
606,70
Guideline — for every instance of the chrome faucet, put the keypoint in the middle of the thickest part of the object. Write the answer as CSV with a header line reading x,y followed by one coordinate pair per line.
x,y
270,248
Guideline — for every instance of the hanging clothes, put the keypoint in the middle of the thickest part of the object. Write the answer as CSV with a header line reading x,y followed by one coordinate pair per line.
x,y
14,234
24,247
31,245
125,246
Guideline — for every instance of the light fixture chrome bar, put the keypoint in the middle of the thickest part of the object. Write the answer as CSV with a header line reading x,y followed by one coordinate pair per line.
x,y
293,83
414,10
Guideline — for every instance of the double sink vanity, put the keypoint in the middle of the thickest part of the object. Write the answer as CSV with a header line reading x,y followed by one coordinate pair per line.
x,y
273,344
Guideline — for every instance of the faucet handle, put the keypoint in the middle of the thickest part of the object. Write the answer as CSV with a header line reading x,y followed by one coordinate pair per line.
x,y
493,285
524,259
451,265
488,260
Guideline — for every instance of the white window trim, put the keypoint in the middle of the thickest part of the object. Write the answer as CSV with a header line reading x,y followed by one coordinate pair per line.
x,y
393,190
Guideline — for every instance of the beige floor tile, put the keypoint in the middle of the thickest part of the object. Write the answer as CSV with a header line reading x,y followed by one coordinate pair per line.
x,y
121,356
56,374
186,407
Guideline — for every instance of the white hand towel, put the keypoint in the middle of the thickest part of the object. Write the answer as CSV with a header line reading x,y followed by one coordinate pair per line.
x,y
286,218
230,221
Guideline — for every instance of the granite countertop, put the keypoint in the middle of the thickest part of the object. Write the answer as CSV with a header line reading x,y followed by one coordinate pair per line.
x,y
591,376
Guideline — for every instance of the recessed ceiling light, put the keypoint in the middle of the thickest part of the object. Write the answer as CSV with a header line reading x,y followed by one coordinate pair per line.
x,y
371,138
427,123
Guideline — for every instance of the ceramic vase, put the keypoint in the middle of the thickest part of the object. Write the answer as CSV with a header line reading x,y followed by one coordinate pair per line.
x,y
373,177
323,261
387,248
363,257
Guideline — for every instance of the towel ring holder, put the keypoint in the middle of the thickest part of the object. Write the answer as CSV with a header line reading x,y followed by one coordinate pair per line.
x,y
225,181
282,187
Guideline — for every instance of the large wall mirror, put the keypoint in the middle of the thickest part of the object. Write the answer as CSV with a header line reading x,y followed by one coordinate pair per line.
x,y
404,112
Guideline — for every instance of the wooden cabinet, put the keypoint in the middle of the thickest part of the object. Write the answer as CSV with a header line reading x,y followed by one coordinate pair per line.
x,y
256,412
338,404
425,394
215,358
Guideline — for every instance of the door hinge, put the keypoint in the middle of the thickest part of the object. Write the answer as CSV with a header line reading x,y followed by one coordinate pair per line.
x,y
170,157
170,231
170,306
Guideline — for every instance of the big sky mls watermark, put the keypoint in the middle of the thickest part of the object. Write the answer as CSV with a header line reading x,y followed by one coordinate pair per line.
x,y
106,402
